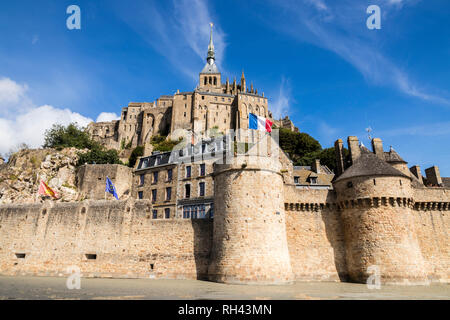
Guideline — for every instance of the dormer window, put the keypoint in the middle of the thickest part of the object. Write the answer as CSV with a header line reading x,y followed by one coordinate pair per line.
x,y
313,180
296,180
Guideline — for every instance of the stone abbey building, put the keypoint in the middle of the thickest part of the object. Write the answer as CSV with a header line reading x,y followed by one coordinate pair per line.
x,y
232,208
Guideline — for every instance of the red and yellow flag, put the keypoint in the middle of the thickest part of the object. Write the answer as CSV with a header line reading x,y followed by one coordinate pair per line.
x,y
45,190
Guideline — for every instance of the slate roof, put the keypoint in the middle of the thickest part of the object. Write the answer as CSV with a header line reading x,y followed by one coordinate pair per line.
x,y
210,68
304,174
368,164
154,160
393,156
446,182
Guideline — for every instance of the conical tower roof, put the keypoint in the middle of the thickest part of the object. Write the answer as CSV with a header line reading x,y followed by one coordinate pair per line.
x,y
368,164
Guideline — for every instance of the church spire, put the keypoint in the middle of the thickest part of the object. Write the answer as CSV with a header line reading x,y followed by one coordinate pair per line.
x,y
211,54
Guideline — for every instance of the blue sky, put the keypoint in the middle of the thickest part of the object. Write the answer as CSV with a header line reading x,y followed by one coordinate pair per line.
x,y
315,59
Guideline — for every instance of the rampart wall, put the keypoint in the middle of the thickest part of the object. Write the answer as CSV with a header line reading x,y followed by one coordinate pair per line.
x,y
122,235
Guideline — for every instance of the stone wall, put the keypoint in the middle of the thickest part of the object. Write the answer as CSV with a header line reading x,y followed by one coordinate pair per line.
x,y
315,235
122,235
431,219
91,181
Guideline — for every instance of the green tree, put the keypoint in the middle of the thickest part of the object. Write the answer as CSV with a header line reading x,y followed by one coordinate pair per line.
x,y
99,156
298,144
326,156
59,137
162,144
137,152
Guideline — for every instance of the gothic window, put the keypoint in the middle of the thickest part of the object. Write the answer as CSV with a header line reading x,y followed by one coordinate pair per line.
x,y
210,80
206,82
215,81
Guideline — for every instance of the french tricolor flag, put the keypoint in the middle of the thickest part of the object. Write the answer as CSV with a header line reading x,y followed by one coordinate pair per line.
x,y
259,123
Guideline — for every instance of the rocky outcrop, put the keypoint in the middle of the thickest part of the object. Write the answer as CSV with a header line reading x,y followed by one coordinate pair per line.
x,y
20,177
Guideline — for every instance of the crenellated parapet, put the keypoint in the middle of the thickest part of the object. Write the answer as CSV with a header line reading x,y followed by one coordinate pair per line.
x,y
431,206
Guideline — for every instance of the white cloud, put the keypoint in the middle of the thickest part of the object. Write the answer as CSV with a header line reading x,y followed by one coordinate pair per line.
x,y
180,33
353,43
280,105
11,94
319,4
107,116
23,122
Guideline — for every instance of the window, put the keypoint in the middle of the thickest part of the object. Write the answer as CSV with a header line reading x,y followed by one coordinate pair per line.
x,y
202,169
185,114
155,177
203,97
203,147
141,179
211,211
167,213
194,211
201,211
140,194
169,174
296,180
154,194
349,184
188,171
187,188
186,212
201,186
155,214
168,193
313,180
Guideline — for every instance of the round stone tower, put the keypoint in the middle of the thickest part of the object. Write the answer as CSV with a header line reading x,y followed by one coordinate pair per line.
x,y
249,245
376,209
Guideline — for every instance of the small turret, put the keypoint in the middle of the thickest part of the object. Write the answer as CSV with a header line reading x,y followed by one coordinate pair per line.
x,y
243,85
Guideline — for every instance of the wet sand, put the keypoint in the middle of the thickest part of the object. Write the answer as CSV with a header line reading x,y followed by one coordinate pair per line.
x,y
104,289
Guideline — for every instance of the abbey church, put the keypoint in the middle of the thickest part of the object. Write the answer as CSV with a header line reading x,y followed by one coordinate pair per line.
x,y
212,105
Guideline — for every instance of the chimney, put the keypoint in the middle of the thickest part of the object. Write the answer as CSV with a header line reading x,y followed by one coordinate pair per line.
x,y
415,170
433,176
353,148
339,153
377,147
316,166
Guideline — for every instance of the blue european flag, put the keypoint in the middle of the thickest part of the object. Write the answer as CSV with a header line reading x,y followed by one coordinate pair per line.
x,y
110,188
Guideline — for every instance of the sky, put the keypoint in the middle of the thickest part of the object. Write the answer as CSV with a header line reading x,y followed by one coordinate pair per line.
x,y
316,61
